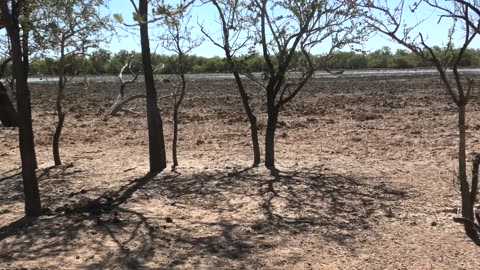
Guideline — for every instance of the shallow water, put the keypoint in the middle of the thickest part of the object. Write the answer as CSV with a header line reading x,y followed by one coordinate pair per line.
x,y
221,76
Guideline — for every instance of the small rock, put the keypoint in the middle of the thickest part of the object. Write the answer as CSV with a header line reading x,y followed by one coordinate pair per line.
x,y
168,220
434,223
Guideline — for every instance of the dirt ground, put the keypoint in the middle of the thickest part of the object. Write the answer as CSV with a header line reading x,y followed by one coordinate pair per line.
x,y
366,182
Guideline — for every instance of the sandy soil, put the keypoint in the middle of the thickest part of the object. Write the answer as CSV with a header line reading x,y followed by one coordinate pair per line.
x,y
366,182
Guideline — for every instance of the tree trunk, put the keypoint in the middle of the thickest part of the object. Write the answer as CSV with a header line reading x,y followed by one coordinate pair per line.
x,y
56,140
60,113
251,119
27,146
8,114
270,137
467,203
175,136
157,154
176,108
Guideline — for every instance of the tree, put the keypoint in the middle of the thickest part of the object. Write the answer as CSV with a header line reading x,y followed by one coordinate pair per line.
x,y
178,40
288,38
232,18
389,21
158,160
380,58
99,60
67,29
10,19
157,154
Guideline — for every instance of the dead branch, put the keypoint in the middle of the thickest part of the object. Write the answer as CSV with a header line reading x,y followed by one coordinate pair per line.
x,y
120,101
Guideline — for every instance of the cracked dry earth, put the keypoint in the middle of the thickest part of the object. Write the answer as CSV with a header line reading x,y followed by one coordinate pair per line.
x,y
366,182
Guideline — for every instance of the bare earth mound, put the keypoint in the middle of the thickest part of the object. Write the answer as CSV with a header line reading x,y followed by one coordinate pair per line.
x,y
366,182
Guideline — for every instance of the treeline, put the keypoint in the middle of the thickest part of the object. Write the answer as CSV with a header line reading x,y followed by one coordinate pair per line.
x,y
104,62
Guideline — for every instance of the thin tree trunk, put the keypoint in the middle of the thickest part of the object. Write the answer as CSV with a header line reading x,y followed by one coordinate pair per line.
x,y
157,154
270,137
176,108
61,119
251,119
60,113
175,137
56,140
27,146
226,27
467,204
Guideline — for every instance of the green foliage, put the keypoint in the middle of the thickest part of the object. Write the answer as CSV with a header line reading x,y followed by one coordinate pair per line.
x,y
104,62
68,29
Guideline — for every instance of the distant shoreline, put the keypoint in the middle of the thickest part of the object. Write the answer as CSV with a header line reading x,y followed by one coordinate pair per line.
x,y
354,73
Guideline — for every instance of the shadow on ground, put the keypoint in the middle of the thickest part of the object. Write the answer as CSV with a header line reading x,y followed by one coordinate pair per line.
x,y
228,218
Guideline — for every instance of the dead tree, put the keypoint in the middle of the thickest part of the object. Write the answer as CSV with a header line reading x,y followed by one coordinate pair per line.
x,y
121,99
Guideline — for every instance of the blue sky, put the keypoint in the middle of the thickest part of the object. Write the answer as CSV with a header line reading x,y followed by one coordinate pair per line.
x,y
436,32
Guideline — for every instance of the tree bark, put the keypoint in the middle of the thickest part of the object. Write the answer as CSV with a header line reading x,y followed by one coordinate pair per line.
x,y
60,113
175,137
8,114
467,203
251,118
27,146
157,153
176,108
270,137
56,140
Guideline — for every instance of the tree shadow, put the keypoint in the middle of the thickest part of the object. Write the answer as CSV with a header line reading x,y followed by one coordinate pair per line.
x,y
342,204
11,186
16,173
336,207
212,219
52,235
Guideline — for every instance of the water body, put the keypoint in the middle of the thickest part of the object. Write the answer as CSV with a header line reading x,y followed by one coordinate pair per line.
x,y
224,76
